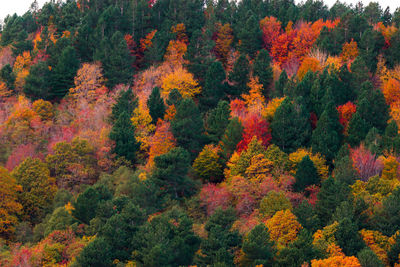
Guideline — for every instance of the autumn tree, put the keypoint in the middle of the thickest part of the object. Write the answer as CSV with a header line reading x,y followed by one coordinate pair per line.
x,y
9,206
274,202
183,81
208,166
38,188
223,42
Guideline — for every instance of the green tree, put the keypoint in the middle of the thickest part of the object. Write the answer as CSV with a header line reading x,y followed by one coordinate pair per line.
x,y
290,127
187,127
123,134
38,189
257,247
273,202
231,137
217,121
239,76
62,75
170,173
368,258
250,36
37,82
125,102
307,216
156,105
306,175
166,240
96,254
263,70
348,238
357,130
280,84
7,76
208,165
327,137
214,85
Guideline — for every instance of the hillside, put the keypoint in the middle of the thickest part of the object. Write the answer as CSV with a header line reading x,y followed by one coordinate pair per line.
x,y
200,133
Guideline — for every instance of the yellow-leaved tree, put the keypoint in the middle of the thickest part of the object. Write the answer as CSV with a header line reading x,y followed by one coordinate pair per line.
x,y
183,81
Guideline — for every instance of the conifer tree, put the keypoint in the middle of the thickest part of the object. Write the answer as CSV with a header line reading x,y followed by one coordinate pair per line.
x,y
125,102
257,247
250,36
214,85
357,130
232,136
156,105
280,84
217,121
348,238
306,174
239,76
263,70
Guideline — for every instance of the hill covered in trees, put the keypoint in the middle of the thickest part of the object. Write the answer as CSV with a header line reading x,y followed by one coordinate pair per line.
x,y
200,133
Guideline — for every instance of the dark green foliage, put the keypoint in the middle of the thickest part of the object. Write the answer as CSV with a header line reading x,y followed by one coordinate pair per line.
x,y
123,134
257,247
62,75
263,70
125,102
239,76
348,238
217,121
37,82
307,216
280,84
298,252
370,46
218,248
117,62
96,254
214,85
331,194
357,130
166,240
156,105
250,36
290,127
231,137
7,76
360,74
170,173
375,143
388,220
187,127
327,137
392,54
368,258
87,202
306,175
393,253
174,98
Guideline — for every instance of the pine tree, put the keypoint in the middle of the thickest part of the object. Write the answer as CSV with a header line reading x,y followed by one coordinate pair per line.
x,y
125,102
187,127
257,247
348,238
357,130
290,127
37,82
214,86
327,137
62,75
156,105
123,134
306,175
263,70
368,258
280,84
250,36
239,76
217,121
231,137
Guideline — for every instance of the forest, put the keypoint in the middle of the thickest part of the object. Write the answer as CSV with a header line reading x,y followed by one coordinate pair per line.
x,y
216,133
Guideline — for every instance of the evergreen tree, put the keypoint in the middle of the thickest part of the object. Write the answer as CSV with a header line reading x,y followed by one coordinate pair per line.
x,y
37,82
290,127
62,75
306,175
307,216
393,253
327,137
357,130
257,247
123,134
250,36
116,60
170,173
217,121
96,254
239,76
263,70
231,137
280,84
187,127
156,105
368,258
125,102
7,76
348,238
214,86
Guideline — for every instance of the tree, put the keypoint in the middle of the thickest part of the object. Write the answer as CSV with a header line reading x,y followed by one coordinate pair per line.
x,y
219,247
280,84
290,127
250,36
208,165
306,175
257,247
9,206
62,75
393,253
38,189
166,240
231,137
187,127
273,202
239,76
262,69
223,41
217,121
327,137
183,81
170,173
123,134
368,258
96,253
125,102
307,216
156,105
348,238
37,82
117,62
357,130
214,85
